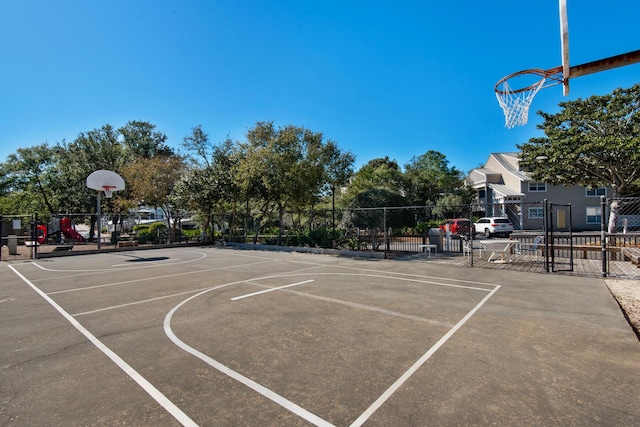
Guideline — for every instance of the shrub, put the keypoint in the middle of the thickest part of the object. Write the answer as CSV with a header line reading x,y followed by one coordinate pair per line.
x,y
155,232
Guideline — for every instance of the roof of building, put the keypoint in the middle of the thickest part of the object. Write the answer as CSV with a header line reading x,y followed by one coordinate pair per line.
x,y
505,191
509,163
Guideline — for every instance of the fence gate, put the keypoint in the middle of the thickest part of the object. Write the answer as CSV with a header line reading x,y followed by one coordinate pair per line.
x,y
560,237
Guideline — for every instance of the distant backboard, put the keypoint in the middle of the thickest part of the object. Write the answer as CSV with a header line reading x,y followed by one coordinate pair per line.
x,y
105,180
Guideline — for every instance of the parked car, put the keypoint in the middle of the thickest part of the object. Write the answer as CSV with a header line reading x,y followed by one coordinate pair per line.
x,y
457,226
493,226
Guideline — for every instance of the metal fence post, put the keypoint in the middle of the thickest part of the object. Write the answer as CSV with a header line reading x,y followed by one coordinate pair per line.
x,y
472,234
35,235
603,234
547,235
386,232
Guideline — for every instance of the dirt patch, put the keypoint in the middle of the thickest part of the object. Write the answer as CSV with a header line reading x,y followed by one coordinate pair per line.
x,y
627,293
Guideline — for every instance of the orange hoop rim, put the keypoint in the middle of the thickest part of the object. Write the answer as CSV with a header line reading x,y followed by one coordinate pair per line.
x,y
551,77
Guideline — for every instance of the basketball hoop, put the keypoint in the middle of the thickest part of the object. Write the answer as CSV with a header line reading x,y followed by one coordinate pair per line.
x,y
515,102
108,191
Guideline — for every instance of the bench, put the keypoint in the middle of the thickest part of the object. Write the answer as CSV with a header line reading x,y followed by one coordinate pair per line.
x,y
617,253
632,254
127,243
579,248
62,248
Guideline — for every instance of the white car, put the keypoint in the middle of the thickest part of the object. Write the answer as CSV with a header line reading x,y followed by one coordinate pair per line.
x,y
493,225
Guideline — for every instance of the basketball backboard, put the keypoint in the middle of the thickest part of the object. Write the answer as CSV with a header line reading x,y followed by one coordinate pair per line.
x,y
105,180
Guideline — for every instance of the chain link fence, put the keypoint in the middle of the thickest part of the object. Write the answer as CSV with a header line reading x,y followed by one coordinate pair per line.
x,y
17,237
543,238
622,222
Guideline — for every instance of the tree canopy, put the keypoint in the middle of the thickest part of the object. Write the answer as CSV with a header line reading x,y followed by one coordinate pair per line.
x,y
592,142
275,169
429,176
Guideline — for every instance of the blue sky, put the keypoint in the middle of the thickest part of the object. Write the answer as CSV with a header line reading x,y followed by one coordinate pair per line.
x,y
381,78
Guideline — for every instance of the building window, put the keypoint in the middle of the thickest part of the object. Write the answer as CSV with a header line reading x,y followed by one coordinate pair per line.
x,y
537,186
482,193
594,215
536,212
596,192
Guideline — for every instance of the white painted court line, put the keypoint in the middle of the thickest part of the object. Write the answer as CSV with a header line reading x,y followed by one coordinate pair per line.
x,y
130,267
375,309
389,276
144,301
269,394
296,409
162,400
283,401
144,279
270,290
421,361
369,270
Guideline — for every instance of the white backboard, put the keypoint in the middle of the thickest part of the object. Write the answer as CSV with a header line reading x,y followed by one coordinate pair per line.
x,y
105,180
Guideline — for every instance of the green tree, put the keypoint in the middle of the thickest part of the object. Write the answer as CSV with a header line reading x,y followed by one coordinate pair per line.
x,y
197,192
591,142
142,140
357,214
429,177
211,184
90,151
454,205
31,178
151,182
288,168
377,174
198,146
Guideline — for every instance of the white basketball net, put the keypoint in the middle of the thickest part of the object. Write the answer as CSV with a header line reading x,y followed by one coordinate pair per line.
x,y
108,191
516,104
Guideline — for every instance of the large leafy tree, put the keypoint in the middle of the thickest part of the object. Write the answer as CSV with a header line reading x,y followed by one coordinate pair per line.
x,y
376,174
591,142
288,167
357,214
211,182
198,192
89,152
32,180
151,182
430,177
198,146
142,140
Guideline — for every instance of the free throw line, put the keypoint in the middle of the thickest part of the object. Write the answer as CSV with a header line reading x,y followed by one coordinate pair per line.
x,y
270,290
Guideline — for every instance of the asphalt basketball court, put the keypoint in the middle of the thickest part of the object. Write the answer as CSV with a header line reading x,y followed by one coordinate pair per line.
x,y
211,336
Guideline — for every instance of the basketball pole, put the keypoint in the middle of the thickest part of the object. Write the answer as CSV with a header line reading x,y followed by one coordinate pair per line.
x,y
99,221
